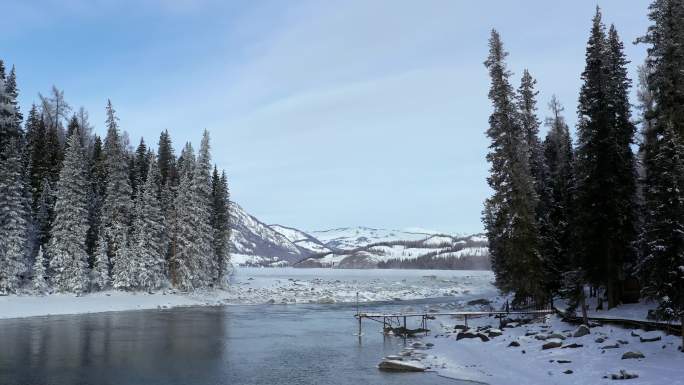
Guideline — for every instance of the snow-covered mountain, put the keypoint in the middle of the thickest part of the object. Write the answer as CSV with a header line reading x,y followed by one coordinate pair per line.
x,y
349,238
256,243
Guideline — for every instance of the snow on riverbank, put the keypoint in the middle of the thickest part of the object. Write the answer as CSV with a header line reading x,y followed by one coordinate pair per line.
x,y
587,359
269,285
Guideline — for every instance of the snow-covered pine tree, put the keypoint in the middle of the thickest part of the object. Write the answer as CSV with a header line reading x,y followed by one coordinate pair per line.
x,y
509,214
10,117
605,170
147,245
125,267
141,164
220,219
117,205
207,272
558,158
39,283
101,273
662,264
98,186
66,248
14,226
184,250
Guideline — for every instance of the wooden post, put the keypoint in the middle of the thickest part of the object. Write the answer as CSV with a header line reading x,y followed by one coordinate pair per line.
x,y
465,318
359,316
405,330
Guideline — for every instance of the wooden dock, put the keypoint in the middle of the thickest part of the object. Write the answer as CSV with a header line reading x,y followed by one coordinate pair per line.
x,y
390,319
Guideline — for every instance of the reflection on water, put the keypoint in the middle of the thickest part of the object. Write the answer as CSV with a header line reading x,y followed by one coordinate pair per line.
x,y
301,344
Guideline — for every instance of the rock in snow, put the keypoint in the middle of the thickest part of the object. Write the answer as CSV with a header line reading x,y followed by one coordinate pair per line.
x,y
650,337
581,331
552,344
633,355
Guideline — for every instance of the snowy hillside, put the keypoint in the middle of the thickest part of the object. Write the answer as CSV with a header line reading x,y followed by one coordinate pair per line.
x,y
251,238
301,239
429,251
348,238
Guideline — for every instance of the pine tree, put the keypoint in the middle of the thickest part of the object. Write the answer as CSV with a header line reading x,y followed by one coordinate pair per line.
x,y
605,171
662,264
39,273
148,245
125,267
116,209
557,234
97,191
102,268
509,215
166,158
14,227
184,236
10,117
206,260
68,258
662,99
220,219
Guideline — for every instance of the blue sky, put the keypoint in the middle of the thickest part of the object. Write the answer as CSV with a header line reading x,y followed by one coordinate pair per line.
x,y
325,114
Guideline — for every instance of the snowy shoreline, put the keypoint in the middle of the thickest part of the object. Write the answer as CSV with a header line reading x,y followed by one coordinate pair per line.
x,y
250,286
548,351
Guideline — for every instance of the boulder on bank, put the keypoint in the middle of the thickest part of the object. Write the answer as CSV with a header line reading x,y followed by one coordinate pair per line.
x,y
494,332
633,355
514,344
400,366
552,344
581,331
650,337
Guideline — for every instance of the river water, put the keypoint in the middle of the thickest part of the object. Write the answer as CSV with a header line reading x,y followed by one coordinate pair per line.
x,y
257,344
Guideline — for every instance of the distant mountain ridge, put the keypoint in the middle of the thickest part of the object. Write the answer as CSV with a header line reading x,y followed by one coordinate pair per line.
x,y
256,243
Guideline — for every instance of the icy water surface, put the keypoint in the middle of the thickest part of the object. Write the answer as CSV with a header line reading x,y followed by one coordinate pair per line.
x,y
259,344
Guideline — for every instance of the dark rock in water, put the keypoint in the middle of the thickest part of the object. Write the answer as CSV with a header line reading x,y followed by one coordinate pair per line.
x,y
623,375
429,344
572,346
483,337
634,334
564,361
633,355
581,331
623,342
600,340
541,337
530,333
568,371
480,301
400,366
552,344
514,344
460,327
494,332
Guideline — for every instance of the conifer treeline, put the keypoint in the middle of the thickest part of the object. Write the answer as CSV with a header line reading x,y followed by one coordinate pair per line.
x,y
79,213
595,214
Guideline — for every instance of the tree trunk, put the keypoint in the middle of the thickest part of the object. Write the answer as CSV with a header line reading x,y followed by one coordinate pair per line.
x,y
583,305
682,321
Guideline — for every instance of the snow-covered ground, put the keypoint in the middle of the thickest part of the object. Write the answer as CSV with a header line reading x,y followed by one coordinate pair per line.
x,y
588,359
269,285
